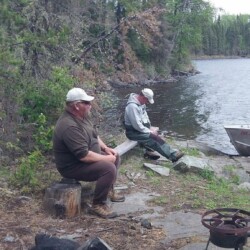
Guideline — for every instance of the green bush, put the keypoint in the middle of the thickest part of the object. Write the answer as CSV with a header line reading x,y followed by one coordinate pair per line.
x,y
26,176
207,174
43,135
47,98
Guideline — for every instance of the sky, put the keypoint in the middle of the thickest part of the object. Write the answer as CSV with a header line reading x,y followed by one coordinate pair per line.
x,y
232,7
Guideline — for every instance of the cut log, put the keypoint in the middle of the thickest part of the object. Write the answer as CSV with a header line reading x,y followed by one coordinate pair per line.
x,y
129,144
125,146
63,199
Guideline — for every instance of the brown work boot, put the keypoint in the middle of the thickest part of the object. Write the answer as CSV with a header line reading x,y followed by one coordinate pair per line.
x,y
114,197
178,155
103,211
151,155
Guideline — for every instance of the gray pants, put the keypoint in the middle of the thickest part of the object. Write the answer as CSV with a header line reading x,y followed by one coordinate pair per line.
x,y
151,141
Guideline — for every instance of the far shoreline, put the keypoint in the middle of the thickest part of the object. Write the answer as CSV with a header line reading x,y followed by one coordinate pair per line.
x,y
214,57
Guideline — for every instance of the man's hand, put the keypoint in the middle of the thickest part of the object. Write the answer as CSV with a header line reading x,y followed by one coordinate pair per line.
x,y
110,151
154,130
110,158
94,157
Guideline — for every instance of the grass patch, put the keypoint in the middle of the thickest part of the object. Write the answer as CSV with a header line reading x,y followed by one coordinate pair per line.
x,y
231,172
210,193
192,191
154,179
4,172
161,200
227,195
191,151
207,174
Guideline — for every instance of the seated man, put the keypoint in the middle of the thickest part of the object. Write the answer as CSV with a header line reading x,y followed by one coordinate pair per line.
x,y
81,154
138,126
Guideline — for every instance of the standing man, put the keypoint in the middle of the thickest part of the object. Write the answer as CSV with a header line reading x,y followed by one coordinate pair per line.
x,y
81,154
138,126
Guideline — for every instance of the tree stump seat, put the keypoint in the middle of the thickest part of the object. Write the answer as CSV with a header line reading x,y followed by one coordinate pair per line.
x,y
69,181
63,199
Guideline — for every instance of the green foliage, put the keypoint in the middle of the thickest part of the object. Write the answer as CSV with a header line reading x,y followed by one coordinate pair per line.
x,y
4,172
48,98
155,180
191,151
11,23
187,18
13,148
151,71
210,193
40,41
207,174
230,171
150,173
130,6
9,15
123,170
107,101
161,200
142,51
227,35
225,195
229,168
26,176
43,134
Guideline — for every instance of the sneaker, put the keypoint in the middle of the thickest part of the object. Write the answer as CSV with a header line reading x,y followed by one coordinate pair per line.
x,y
178,155
103,211
151,155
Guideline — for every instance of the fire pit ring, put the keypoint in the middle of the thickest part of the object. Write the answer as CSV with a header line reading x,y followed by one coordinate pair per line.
x,y
228,227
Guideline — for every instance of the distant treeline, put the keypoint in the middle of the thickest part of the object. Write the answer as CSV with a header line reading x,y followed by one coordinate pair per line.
x,y
228,35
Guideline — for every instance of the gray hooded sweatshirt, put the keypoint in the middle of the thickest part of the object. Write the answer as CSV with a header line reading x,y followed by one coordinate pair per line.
x,y
136,114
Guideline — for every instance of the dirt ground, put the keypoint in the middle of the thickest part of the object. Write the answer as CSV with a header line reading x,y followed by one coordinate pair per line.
x,y
23,217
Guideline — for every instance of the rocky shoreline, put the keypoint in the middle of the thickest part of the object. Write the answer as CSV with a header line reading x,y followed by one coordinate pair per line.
x,y
217,159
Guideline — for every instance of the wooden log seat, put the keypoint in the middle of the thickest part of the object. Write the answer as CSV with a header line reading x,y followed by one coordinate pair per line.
x,y
129,144
63,199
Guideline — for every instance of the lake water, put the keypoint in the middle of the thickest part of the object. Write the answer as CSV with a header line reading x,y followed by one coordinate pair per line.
x,y
199,106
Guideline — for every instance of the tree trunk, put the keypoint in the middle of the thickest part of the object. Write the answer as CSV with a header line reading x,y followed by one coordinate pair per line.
x,y
63,199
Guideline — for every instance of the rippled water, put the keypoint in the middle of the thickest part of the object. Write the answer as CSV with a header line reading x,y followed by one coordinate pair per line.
x,y
199,106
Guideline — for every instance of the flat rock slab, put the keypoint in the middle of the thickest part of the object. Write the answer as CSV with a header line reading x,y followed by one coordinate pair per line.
x,y
211,246
218,163
182,225
206,149
243,162
198,246
137,202
157,168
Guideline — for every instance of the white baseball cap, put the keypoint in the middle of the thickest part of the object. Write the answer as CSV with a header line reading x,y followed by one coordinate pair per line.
x,y
78,94
148,93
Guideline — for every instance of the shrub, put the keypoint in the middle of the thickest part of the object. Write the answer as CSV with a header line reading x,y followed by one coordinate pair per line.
x,y
26,176
43,135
